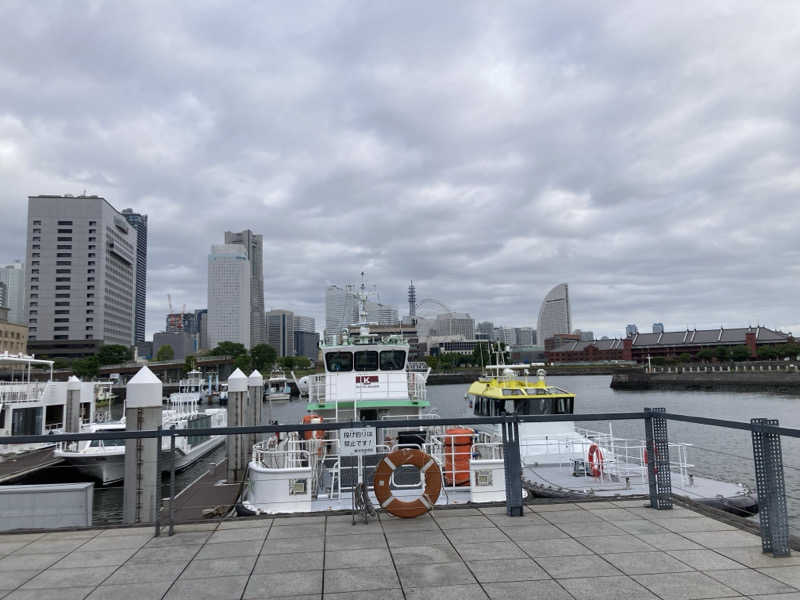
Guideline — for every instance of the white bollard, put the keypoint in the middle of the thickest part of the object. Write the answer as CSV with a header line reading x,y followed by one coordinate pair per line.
x,y
72,410
238,450
255,389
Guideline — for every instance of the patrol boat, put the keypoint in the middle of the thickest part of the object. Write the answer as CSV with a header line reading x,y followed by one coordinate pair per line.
x,y
562,460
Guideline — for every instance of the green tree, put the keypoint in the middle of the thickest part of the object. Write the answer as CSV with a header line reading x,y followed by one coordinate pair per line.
x,y
722,353
287,362
481,355
705,354
165,353
263,357
302,362
767,353
61,363
228,349
244,363
190,364
85,368
740,353
114,354
684,357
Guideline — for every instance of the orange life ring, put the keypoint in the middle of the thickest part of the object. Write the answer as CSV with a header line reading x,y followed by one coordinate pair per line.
x,y
595,454
430,494
317,434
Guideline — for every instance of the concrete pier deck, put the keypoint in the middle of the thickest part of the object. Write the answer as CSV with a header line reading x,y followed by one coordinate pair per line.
x,y
588,551
14,466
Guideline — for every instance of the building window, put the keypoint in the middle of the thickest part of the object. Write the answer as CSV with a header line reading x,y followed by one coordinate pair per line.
x,y
89,304
36,239
64,239
62,320
64,247
64,255
37,222
65,222
90,278
62,263
92,223
62,303
35,255
62,312
91,231
90,320
92,247
91,254
63,271
92,239
61,287
34,296
33,320
62,279
62,295
35,287
34,280
37,230
60,337
64,231
91,263
34,263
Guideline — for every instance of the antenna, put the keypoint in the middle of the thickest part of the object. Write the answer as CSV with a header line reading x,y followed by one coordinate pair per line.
x,y
169,300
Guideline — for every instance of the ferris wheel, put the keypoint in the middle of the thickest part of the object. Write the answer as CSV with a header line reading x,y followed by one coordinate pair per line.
x,y
429,307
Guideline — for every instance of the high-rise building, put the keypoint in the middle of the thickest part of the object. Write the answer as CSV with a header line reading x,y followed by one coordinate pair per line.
x,y
255,253
631,330
523,336
341,309
13,276
181,322
139,221
487,329
507,336
584,336
306,343
412,300
382,314
280,331
454,323
81,270
4,296
229,280
201,318
658,328
302,323
554,314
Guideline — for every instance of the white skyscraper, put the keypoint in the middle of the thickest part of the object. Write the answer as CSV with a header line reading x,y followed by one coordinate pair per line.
x,y
554,316
382,314
302,323
13,276
229,277
254,245
341,309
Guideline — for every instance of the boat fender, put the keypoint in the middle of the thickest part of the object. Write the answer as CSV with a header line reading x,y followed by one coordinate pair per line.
x,y
595,460
427,466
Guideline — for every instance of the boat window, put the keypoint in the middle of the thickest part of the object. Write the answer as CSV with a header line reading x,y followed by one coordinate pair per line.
x,y
512,392
393,360
366,361
536,391
545,406
337,362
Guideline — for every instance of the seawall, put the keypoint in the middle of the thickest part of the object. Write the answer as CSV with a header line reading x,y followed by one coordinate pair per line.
x,y
774,381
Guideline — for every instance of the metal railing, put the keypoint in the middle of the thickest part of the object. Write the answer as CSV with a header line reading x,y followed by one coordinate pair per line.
x,y
766,435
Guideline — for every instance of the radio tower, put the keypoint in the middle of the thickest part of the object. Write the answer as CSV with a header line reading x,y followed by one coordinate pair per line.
x,y
412,300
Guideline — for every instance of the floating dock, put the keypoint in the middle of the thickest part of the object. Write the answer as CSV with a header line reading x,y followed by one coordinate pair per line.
x,y
15,466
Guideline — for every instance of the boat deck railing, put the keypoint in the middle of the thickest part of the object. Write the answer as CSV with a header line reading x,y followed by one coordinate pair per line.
x,y
17,392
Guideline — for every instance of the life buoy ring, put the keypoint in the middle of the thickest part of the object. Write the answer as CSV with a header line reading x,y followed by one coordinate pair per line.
x,y
430,494
595,460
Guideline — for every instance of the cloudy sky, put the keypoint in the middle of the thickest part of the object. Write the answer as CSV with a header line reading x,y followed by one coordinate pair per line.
x,y
646,153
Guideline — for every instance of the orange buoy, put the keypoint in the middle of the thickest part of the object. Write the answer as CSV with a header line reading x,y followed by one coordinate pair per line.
x,y
315,434
430,493
595,455
457,452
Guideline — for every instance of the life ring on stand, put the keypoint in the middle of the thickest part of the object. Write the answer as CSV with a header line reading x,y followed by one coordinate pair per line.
x,y
595,460
430,493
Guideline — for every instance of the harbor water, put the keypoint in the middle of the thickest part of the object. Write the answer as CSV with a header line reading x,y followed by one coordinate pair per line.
x,y
716,452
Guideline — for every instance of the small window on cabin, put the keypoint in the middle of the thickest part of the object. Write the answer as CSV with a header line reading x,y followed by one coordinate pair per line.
x,y
393,360
337,362
366,360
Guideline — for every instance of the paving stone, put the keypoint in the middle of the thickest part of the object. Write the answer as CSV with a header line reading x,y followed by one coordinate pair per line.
x,y
724,539
520,569
631,503
219,567
489,550
115,531
614,514
536,532
7,548
484,534
606,588
571,516
78,577
279,563
130,591
748,581
13,579
640,526
238,535
286,546
391,594
754,557
190,527
790,575
95,558
615,544
669,541
105,542
213,588
789,596
363,557
417,538
692,524
276,585
361,579
247,548
447,592
261,523
577,566
416,555
561,547
72,593
298,521
686,587
157,555
14,562
456,510
590,529
422,576
191,538
526,590
639,563
542,508
18,538
409,526
703,560
464,522
285,533
354,542
499,510
51,547
348,528
525,520
81,534
146,573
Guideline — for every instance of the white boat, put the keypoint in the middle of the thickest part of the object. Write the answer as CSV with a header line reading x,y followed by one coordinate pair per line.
x,y
30,407
104,460
278,388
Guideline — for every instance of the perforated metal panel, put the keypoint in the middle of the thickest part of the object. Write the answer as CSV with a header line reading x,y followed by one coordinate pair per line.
x,y
513,468
658,473
773,517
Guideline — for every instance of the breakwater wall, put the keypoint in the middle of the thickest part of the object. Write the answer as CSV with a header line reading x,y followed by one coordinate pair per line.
x,y
467,376
774,381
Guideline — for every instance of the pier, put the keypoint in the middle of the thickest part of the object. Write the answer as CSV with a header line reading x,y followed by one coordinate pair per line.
x,y
15,466
563,551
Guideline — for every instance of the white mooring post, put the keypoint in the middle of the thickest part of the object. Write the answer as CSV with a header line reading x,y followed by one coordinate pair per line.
x,y
238,401
72,411
255,389
142,413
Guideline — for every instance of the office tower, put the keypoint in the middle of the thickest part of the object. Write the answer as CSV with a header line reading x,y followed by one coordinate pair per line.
x,y
81,275
302,323
454,323
229,280
13,276
306,343
658,328
412,300
341,309
487,329
201,319
523,336
554,314
382,314
631,330
255,254
4,297
139,221
280,331
508,336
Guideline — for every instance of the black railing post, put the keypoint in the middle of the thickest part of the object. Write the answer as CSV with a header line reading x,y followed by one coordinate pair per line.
x,y
158,483
768,459
659,477
172,481
513,467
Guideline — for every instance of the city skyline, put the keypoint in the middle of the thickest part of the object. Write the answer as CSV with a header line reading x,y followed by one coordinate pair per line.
x,y
669,198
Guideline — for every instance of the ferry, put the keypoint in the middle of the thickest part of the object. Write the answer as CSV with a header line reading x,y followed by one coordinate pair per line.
x,y
104,460
562,460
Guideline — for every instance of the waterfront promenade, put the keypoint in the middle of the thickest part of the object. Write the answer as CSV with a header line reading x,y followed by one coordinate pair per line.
x,y
588,551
